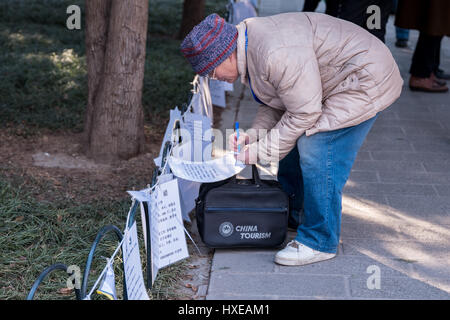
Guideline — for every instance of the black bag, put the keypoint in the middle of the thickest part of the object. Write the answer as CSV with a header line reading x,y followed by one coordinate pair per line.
x,y
242,213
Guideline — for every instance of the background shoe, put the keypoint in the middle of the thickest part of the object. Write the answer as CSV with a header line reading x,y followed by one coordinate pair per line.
x,y
439,81
401,43
297,254
442,75
426,85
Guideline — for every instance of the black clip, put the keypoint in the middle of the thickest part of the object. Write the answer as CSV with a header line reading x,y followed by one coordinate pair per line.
x,y
167,147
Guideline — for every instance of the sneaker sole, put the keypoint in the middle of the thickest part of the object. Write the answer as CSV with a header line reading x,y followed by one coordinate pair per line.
x,y
290,262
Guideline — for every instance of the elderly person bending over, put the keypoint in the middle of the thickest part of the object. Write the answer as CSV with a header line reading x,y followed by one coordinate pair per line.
x,y
320,82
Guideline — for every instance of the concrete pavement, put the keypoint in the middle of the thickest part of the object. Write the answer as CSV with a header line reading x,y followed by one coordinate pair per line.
x,y
396,210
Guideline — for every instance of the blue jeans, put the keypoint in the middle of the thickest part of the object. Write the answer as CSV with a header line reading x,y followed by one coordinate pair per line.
x,y
402,34
314,174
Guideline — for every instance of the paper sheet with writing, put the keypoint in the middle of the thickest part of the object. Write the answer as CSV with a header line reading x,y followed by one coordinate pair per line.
x,y
197,134
206,171
197,146
167,222
168,242
132,264
188,192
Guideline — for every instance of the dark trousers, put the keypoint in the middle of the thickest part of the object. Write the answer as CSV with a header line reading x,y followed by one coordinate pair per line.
x,y
356,11
331,6
310,5
426,56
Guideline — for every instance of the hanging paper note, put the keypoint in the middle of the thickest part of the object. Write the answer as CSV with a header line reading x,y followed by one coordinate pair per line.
x,y
141,196
132,264
108,285
167,223
206,171
197,134
197,147
217,93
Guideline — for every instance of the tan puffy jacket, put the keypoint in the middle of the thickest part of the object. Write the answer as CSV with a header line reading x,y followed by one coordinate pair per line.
x,y
314,73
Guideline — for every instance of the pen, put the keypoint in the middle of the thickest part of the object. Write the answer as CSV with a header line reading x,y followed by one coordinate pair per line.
x,y
236,127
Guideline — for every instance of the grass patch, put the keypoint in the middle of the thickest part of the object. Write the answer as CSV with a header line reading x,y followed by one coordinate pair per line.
x,y
43,77
34,235
42,66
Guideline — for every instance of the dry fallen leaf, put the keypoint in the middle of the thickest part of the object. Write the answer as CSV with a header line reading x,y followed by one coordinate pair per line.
x,y
59,218
65,291
190,285
192,266
19,218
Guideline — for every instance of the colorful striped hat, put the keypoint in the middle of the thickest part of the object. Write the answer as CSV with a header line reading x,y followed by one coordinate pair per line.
x,y
209,43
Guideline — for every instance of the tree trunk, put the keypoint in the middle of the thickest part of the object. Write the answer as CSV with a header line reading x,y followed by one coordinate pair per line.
x,y
193,14
116,34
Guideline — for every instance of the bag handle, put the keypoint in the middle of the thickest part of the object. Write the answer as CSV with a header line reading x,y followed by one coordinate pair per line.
x,y
255,176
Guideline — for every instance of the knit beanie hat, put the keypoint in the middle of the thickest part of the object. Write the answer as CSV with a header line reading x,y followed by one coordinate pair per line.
x,y
209,43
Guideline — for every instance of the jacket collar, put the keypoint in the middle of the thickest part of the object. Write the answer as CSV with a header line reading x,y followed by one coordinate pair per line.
x,y
241,57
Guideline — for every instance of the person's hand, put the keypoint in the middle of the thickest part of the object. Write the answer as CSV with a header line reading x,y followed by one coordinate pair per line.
x,y
244,155
242,141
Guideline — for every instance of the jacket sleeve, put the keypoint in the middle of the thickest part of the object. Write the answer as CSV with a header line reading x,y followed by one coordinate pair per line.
x,y
294,73
266,118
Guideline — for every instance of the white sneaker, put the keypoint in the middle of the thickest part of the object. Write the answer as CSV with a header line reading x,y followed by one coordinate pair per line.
x,y
297,254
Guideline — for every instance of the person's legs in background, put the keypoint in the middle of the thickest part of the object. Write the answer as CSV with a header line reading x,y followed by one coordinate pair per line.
x,y
439,73
332,7
356,11
424,64
310,5
402,36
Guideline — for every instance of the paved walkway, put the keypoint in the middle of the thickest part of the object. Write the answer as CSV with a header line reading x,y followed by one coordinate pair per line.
x,y
396,210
